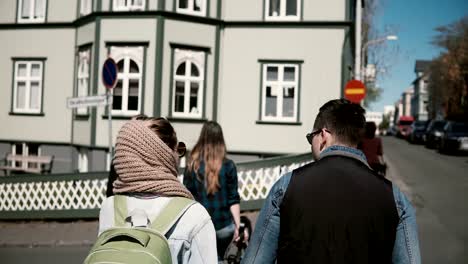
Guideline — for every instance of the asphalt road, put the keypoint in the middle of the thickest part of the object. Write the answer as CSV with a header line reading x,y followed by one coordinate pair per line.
x,y
437,184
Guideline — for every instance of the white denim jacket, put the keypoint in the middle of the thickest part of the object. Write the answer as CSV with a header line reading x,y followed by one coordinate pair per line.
x,y
191,240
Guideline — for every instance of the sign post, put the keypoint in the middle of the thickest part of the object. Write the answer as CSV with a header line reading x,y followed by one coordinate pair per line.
x,y
109,78
355,91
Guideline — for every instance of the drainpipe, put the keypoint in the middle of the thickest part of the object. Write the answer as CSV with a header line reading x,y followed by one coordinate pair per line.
x,y
357,58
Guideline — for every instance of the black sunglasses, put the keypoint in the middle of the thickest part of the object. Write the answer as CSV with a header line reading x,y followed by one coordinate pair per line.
x,y
181,149
311,135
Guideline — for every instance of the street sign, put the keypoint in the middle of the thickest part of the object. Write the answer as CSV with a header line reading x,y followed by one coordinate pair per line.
x,y
109,73
355,91
86,101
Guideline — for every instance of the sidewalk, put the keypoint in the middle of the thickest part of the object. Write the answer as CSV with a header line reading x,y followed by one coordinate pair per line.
x,y
47,233
56,234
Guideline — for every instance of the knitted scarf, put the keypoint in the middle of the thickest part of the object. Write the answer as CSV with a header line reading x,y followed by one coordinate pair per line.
x,y
145,164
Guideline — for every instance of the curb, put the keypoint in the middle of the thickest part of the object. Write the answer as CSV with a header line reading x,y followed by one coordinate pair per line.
x,y
51,243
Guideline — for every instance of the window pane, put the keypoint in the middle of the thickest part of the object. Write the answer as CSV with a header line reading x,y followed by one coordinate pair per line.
x,y
289,73
117,97
120,66
133,85
39,11
179,96
18,151
288,101
271,100
272,73
26,6
194,87
138,3
291,7
21,95
120,3
134,67
181,69
35,70
197,5
183,4
33,149
21,70
34,97
274,8
194,70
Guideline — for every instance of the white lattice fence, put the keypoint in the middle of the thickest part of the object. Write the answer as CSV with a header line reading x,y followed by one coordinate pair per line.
x,y
52,195
254,184
62,193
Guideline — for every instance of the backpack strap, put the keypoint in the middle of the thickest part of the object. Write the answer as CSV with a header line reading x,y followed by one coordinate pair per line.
x,y
120,210
170,214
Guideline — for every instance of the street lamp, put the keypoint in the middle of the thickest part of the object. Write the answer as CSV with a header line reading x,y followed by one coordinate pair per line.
x,y
360,68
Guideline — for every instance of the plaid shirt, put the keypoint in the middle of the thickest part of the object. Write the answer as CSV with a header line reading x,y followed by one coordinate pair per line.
x,y
218,204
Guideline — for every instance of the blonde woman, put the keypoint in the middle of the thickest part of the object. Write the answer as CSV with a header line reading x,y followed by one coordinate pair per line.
x,y
212,180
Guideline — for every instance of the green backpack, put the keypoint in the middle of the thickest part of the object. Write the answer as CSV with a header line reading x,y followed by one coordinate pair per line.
x,y
140,243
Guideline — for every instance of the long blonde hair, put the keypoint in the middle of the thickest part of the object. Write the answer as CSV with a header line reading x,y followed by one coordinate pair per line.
x,y
211,149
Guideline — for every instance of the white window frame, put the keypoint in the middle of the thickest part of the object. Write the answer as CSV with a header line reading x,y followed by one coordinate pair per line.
x,y
189,10
129,5
282,16
86,7
280,83
198,59
128,53
25,146
83,160
84,61
28,79
32,8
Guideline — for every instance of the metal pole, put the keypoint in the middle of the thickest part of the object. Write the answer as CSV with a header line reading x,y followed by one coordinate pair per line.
x,y
358,35
109,114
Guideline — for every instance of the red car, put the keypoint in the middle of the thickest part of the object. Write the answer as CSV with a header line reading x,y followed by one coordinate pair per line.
x,y
404,126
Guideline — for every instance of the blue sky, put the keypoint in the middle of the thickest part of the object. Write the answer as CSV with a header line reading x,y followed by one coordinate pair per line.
x,y
415,21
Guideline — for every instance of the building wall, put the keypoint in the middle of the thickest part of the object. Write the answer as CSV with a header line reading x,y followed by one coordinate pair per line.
x,y
312,10
8,11
61,11
239,96
54,126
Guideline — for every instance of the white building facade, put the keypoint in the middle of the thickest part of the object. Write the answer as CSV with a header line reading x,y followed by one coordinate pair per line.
x,y
261,68
419,101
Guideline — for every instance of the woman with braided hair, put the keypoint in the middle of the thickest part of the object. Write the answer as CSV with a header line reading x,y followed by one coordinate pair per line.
x,y
146,164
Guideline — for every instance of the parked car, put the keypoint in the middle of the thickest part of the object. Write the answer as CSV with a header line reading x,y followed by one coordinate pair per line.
x,y
434,133
454,138
418,129
391,131
404,126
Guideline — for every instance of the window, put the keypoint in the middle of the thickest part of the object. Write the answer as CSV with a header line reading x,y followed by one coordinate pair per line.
x,y
280,92
83,160
27,88
86,7
128,5
83,77
194,7
23,149
127,92
31,11
282,9
188,83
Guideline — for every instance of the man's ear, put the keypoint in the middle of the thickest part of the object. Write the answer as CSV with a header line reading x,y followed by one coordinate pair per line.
x,y
323,140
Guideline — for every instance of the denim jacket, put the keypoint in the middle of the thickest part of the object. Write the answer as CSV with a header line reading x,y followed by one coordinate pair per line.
x,y
264,242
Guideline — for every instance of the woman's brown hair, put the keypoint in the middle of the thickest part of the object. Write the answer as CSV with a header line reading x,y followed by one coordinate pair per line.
x,y
210,149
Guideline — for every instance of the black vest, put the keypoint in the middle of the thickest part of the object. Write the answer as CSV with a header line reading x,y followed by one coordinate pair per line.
x,y
336,210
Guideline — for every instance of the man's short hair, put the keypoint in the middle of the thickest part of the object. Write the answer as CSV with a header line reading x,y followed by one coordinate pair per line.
x,y
345,120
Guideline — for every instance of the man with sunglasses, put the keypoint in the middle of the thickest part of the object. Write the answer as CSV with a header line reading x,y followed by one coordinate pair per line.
x,y
336,209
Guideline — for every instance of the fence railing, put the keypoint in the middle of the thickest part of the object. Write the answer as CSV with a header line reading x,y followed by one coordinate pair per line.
x,y
79,195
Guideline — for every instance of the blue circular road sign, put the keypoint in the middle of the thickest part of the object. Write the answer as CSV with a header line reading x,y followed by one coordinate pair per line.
x,y
109,73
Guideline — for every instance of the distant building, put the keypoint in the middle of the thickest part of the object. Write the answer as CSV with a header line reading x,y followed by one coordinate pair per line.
x,y
255,66
406,101
389,110
419,100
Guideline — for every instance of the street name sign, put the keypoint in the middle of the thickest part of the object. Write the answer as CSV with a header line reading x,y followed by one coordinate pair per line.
x,y
86,101
355,91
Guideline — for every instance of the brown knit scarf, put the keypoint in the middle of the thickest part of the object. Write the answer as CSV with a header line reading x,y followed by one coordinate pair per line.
x,y
144,163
